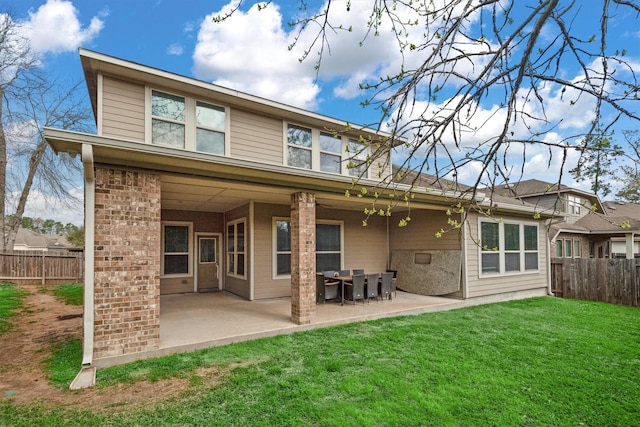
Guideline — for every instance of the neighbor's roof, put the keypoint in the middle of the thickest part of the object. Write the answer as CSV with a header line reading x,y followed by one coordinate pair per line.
x,y
412,177
600,223
626,209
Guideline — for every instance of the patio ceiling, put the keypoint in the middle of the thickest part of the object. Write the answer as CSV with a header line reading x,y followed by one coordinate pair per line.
x,y
181,192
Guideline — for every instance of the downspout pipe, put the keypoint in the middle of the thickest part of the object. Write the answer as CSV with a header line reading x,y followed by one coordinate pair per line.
x,y
89,245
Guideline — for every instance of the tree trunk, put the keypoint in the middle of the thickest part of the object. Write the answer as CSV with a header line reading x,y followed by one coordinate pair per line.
x,y
3,177
15,221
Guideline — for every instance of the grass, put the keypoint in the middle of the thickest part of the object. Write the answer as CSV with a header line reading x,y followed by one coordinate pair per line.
x,y
70,294
535,362
10,301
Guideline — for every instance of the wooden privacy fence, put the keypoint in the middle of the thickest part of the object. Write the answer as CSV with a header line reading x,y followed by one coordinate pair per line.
x,y
595,279
41,267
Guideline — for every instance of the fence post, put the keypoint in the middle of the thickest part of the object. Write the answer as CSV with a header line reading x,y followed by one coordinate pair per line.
x,y
44,268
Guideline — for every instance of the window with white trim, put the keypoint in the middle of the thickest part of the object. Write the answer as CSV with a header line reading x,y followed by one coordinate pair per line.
x,y
299,147
167,119
313,149
328,246
188,123
210,128
236,244
176,249
574,204
357,153
508,247
330,153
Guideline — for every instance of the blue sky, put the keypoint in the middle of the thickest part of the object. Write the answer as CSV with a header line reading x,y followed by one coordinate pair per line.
x,y
249,53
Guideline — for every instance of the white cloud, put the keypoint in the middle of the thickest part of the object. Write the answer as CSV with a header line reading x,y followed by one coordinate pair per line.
x,y
175,49
249,52
54,27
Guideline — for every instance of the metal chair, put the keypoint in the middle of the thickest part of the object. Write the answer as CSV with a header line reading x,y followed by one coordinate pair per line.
x,y
355,290
386,284
372,286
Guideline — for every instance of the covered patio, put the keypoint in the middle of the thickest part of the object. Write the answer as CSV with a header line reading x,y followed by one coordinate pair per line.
x,y
194,321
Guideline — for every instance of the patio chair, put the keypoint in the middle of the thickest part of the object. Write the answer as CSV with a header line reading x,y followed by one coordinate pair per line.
x,y
329,273
386,284
355,290
372,286
344,272
358,271
393,282
326,289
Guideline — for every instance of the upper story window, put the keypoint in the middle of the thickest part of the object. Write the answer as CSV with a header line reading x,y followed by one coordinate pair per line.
x,y
299,143
330,153
358,163
210,128
187,123
573,205
508,247
311,149
167,119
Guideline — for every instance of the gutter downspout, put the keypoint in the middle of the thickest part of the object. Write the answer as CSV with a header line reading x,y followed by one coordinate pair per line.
x,y
89,243
549,292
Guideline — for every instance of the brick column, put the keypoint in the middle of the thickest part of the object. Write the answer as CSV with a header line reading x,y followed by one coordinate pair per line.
x,y
127,262
303,258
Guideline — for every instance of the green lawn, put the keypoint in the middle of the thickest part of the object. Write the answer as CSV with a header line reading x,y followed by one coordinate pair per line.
x,y
537,362
10,302
70,294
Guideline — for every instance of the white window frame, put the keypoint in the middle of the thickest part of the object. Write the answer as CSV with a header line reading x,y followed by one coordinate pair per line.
x,y
358,159
189,121
573,204
316,151
189,225
274,240
501,248
236,252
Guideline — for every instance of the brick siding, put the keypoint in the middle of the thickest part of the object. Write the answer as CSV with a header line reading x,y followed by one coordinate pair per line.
x,y
303,258
127,262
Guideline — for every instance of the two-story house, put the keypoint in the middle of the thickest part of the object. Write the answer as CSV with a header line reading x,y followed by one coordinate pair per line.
x,y
192,187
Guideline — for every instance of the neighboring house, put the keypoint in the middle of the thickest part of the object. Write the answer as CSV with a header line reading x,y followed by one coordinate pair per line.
x,y
558,200
192,187
583,226
29,240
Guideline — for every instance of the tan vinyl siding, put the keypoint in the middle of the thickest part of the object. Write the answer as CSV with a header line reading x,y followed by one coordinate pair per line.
x,y
238,285
122,109
265,286
420,233
364,247
255,137
495,284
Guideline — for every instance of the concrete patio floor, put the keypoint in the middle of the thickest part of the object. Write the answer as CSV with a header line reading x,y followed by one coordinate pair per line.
x,y
194,321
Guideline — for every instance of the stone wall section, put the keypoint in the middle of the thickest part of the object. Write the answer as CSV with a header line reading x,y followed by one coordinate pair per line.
x,y
127,262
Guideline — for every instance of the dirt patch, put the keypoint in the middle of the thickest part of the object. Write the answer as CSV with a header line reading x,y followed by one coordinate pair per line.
x,y
44,322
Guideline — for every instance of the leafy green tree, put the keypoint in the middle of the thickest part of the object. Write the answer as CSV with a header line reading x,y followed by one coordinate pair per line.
x,y
76,236
598,154
629,173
